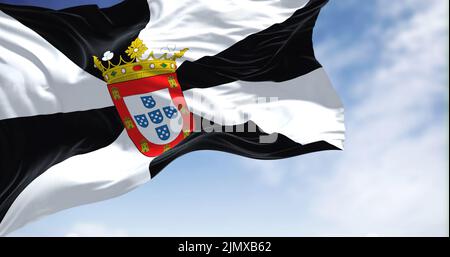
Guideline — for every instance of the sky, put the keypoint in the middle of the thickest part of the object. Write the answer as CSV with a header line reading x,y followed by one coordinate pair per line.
x,y
388,60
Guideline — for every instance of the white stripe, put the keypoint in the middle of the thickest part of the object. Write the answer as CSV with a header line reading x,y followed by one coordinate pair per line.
x,y
83,179
305,109
36,78
208,27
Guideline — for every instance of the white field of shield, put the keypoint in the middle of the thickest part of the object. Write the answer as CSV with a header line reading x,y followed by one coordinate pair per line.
x,y
162,99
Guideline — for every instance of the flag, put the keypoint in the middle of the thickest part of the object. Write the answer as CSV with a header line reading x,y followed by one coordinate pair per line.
x,y
245,72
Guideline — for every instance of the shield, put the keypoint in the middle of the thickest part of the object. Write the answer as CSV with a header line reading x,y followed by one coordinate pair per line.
x,y
154,112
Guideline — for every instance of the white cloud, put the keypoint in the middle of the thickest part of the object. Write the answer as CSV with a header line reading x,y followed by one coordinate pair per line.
x,y
392,178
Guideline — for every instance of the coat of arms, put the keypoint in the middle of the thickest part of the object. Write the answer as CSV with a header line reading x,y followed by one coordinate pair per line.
x,y
148,98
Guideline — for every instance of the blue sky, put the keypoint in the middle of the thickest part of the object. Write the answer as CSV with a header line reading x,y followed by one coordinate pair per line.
x,y
388,60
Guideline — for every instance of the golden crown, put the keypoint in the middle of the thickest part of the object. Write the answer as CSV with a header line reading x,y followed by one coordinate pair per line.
x,y
138,66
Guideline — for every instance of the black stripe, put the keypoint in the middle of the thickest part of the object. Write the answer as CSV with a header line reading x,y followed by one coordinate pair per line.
x,y
31,145
82,31
246,143
281,52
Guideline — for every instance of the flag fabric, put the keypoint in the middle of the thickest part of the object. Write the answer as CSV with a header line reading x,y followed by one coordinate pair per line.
x,y
249,79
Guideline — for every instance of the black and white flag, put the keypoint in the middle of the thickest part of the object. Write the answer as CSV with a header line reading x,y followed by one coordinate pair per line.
x,y
249,80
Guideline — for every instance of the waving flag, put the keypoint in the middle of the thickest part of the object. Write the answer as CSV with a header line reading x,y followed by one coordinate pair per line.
x,y
96,101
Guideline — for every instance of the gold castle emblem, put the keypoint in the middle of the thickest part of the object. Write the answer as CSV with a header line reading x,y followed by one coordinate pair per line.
x,y
128,123
115,93
144,146
172,82
138,66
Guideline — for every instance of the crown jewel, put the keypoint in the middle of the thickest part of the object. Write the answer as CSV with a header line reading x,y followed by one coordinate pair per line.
x,y
138,66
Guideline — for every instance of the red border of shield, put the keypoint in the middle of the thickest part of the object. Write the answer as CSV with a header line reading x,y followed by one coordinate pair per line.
x,y
147,85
